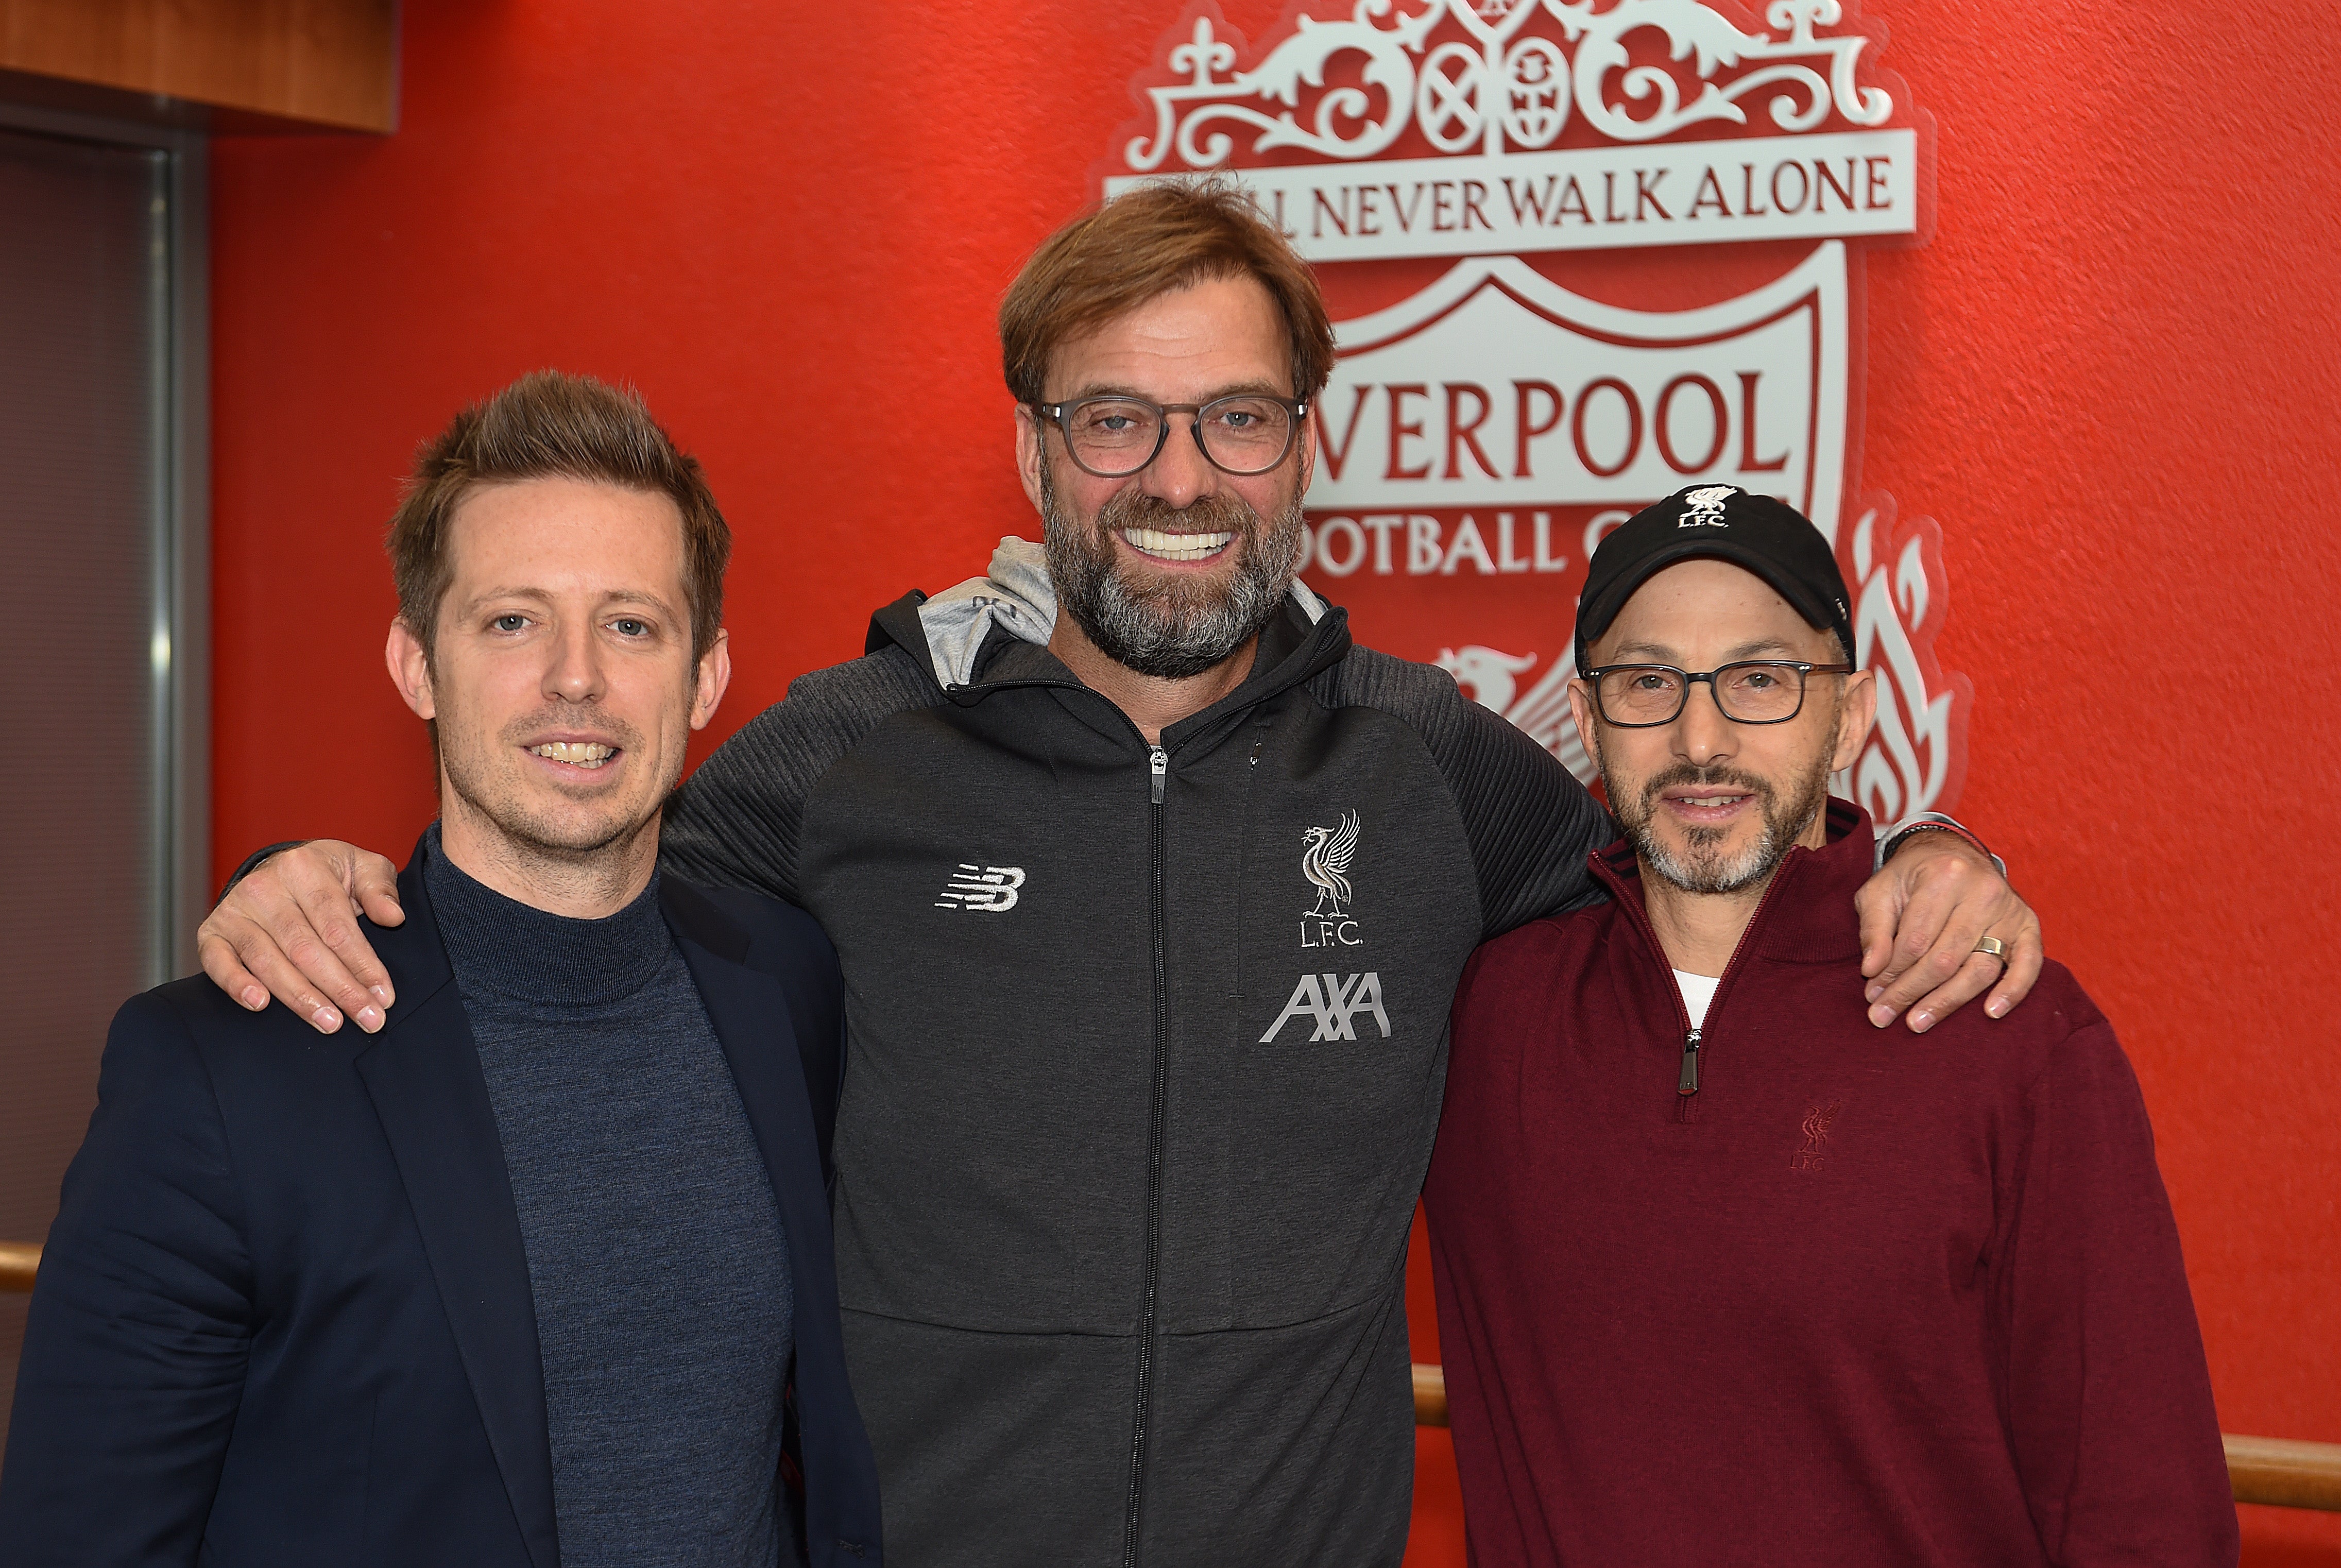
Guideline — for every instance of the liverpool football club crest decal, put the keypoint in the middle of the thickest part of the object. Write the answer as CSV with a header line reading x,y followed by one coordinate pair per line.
x,y
1579,255
1325,857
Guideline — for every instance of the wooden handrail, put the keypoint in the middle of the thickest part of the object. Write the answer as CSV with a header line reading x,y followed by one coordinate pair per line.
x,y
20,1261
2269,1470
1430,1394
2285,1474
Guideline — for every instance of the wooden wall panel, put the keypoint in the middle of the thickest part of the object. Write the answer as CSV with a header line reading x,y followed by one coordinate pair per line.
x,y
325,62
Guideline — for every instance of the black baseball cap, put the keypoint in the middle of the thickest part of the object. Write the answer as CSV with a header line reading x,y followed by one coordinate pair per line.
x,y
1721,523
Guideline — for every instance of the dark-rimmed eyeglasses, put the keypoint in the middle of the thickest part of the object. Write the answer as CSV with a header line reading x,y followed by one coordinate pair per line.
x,y
1750,691
1244,434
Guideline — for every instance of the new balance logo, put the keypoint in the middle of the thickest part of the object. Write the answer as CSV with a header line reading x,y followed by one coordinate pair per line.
x,y
989,888
1332,1004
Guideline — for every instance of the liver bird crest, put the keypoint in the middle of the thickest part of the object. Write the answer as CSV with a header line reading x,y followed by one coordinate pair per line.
x,y
1325,862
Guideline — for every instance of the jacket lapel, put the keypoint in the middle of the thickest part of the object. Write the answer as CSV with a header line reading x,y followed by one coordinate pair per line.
x,y
759,1033
424,1073
751,1015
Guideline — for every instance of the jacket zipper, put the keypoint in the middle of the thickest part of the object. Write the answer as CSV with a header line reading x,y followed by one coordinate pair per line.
x,y
1158,764
1695,1035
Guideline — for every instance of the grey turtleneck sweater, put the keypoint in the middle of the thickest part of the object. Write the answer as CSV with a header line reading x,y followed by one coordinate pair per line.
x,y
655,1253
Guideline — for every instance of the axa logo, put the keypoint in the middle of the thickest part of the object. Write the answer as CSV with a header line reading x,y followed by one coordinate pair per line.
x,y
1706,508
1332,1004
989,888
1325,856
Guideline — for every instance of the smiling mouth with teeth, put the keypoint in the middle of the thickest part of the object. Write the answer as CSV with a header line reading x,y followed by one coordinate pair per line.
x,y
1164,546
581,753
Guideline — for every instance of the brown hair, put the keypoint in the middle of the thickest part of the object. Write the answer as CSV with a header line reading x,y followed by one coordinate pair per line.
x,y
545,425
1147,243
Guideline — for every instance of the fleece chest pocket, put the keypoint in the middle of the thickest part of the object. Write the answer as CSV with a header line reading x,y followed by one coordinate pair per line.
x,y
1357,904
1338,1056
1346,969
1304,921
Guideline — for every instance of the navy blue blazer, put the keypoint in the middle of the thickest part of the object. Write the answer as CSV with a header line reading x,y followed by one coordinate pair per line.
x,y
283,1317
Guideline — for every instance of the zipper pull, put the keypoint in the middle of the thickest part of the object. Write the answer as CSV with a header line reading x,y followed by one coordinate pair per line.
x,y
1689,1084
1159,763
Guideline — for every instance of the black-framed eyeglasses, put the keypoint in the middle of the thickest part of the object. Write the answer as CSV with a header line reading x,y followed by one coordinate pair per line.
x,y
1244,434
1750,691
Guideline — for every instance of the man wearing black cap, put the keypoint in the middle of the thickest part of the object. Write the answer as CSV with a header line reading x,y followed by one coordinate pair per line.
x,y
1722,1276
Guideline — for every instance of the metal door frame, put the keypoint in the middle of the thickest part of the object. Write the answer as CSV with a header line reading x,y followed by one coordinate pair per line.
x,y
178,510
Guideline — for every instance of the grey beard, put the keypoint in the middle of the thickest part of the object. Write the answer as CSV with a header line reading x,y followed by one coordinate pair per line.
x,y
1170,630
1701,866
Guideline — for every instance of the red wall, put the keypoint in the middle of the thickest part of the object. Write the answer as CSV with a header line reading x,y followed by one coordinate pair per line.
x,y
2111,376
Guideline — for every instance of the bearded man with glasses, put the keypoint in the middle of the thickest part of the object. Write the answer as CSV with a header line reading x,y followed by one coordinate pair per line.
x,y
1151,890
1719,1278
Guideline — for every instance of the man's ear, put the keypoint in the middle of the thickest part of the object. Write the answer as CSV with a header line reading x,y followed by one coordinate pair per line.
x,y
1855,717
1307,437
714,677
1031,451
1580,709
410,669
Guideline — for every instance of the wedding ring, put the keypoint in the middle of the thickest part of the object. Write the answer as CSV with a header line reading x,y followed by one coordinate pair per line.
x,y
1992,946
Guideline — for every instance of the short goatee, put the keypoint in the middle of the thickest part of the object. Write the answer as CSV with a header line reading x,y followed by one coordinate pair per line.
x,y
1699,865
1172,629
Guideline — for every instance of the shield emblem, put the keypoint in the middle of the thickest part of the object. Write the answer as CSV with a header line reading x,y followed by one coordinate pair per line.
x,y
1481,434
1496,388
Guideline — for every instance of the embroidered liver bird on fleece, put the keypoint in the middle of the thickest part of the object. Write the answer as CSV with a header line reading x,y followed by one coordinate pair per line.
x,y
1325,862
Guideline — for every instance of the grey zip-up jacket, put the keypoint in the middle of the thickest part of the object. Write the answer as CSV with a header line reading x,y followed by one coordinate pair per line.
x,y
1145,1052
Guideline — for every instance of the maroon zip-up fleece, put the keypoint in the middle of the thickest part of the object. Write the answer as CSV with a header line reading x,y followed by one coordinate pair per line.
x,y
1862,1298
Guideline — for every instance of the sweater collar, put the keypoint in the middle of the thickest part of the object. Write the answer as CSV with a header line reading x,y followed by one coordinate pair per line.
x,y
502,945
1810,915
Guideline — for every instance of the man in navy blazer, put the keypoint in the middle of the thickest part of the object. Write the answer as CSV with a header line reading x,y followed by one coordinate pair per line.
x,y
540,1275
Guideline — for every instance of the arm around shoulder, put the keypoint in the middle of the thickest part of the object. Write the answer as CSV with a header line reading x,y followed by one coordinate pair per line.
x,y
739,820
140,1326
1529,821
